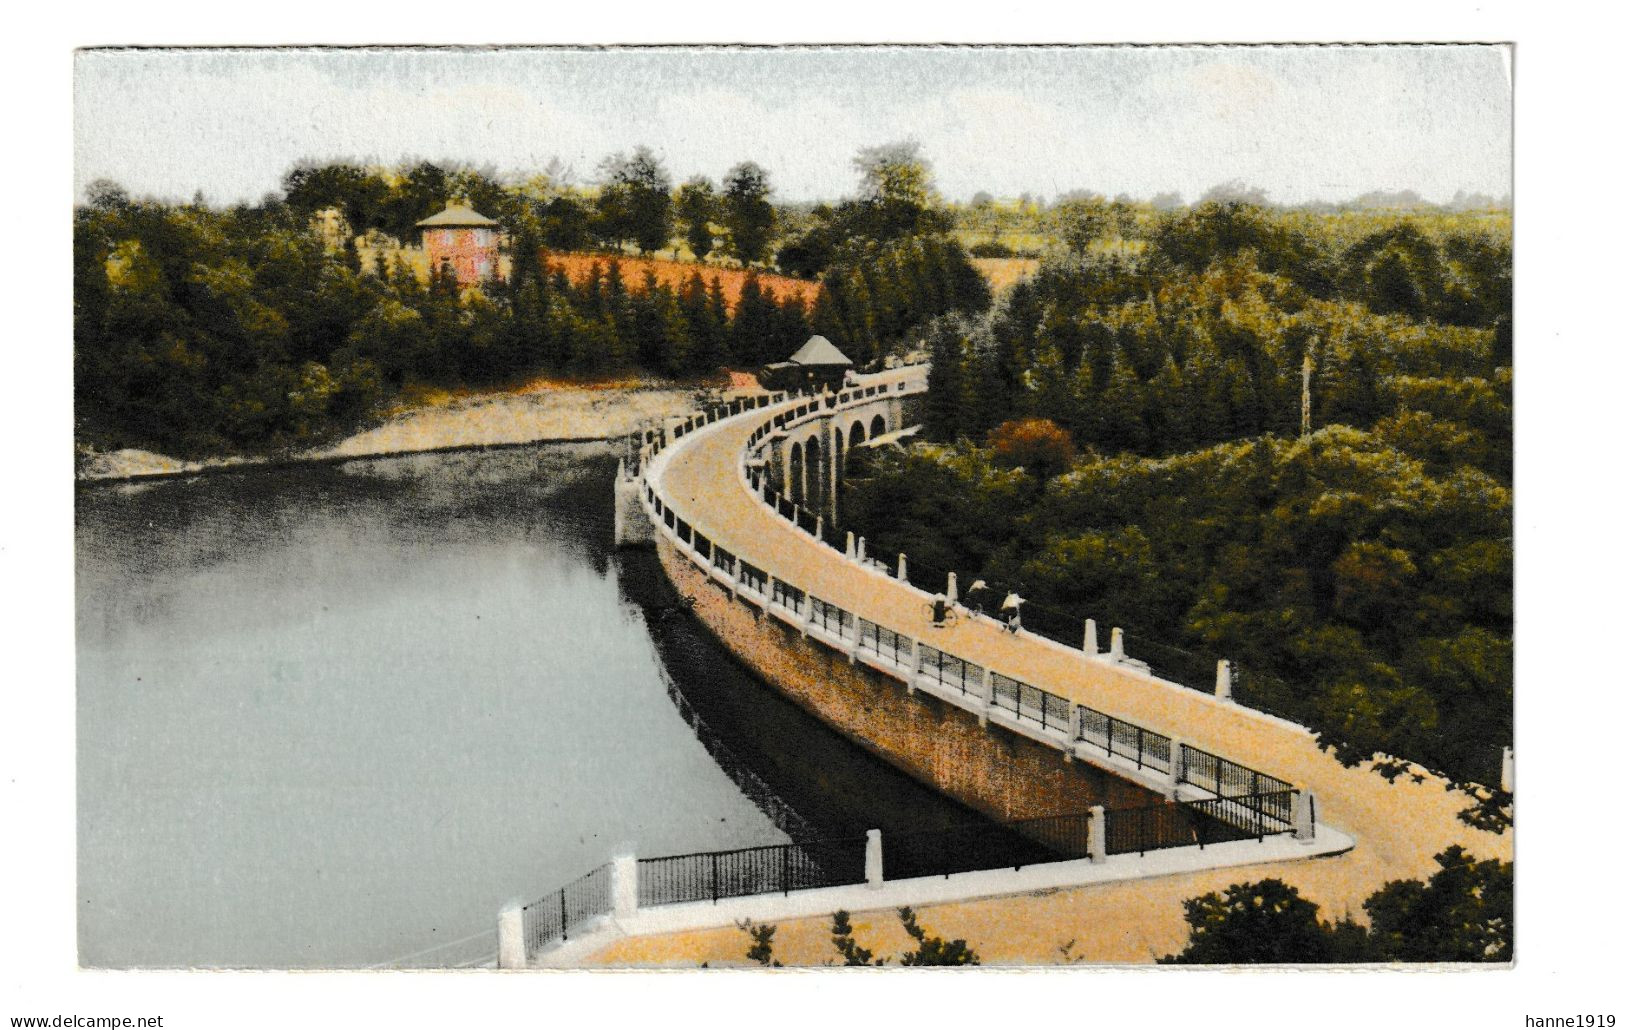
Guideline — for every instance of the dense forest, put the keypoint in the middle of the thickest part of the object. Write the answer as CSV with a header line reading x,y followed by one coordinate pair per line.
x,y
200,330
1122,437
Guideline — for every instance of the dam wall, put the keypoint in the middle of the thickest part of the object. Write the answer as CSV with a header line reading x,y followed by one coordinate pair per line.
x,y
992,769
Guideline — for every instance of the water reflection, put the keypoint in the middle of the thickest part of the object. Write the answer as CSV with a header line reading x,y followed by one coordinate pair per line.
x,y
333,716
340,715
836,788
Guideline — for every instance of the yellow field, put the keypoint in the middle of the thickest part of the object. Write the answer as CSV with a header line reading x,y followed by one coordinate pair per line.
x,y
578,266
1003,273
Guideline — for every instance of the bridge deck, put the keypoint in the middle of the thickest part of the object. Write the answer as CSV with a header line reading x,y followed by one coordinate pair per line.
x,y
1398,826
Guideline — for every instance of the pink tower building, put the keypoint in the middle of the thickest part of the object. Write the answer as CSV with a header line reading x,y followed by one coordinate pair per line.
x,y
463,238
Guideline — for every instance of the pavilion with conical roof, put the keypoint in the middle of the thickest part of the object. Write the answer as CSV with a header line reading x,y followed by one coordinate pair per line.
x,y
817,363
818,351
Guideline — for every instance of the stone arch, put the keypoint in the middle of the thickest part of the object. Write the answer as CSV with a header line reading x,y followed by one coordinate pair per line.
x,y
815,472
877,427
857,435
837,457
797,476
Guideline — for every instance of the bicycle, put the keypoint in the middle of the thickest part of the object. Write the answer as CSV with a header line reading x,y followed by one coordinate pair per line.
x,y
946,618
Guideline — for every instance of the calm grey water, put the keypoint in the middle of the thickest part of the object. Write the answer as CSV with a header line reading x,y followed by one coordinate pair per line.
x,y
338,715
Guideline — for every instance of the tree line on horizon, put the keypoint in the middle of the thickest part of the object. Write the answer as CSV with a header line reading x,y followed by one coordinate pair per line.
x,y
200,331
633,206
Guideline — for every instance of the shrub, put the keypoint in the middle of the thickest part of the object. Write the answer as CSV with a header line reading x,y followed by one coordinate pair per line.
x,y
1035,444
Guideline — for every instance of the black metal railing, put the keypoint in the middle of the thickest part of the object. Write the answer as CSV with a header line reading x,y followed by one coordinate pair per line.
x,y
752,578
1150,828
774,869
1028,702
1224,777
723,560
885,643
1246,816
1148,749
552,917
1211,821
980,846
830,619
949,671
788,596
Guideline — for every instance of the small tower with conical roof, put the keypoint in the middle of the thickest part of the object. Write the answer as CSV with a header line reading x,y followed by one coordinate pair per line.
x,y
464,240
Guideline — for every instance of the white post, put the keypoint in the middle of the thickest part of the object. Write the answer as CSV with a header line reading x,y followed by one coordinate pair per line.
x,y
818,528
1506,769
873,864
795,515
913,666
862,550
1303,821
987,698
1221,681
623,883
1097,833
1117,644
511,937
902,567
851,545
953,588
1091,644
1074,729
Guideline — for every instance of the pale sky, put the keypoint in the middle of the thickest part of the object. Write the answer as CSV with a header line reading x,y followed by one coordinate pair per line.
x,y
1303,123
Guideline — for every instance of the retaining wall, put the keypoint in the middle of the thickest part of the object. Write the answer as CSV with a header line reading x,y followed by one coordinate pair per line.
x,y
997,772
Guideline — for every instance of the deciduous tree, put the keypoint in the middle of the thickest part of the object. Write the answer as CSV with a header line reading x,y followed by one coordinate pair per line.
x,y
747,212
696,207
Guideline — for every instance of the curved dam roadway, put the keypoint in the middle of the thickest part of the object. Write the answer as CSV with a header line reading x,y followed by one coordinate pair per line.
x,y
1398,826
